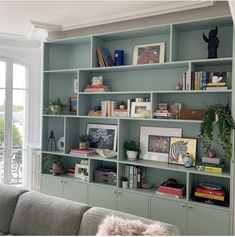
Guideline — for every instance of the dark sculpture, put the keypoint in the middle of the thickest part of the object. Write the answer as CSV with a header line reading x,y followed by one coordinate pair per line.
x,y
51,142
213,42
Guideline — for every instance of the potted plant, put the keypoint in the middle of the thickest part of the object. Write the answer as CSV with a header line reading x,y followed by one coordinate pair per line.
x,y
83,139
132,150
219,115
53,164
122,104
56,106
124,181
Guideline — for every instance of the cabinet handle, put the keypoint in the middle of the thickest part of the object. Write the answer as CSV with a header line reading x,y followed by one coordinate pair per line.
x,y
114,191
65,182
119,193
189,207
184,205
61,181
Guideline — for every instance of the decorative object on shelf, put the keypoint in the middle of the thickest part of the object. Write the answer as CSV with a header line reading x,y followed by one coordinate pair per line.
x,y
83,140
187,161
122,104
221,116
213,42
175,110
102,136
81,172
73,104
75,86
48,162
60,144
211,153
132,150
105,175
96,85
56,106
179,147
149,53
140,109
106,153
192,114
155,142
51,143
119,57
147,185
124,181
57,169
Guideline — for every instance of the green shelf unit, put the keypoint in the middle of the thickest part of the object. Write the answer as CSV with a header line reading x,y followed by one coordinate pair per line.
x,y
185,51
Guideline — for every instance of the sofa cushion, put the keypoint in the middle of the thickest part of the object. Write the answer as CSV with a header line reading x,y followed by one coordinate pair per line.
x,y
95,216
8,198
40,214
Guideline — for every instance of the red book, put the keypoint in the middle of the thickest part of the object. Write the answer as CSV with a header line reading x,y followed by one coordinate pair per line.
x,y
81,151
174,189
209,191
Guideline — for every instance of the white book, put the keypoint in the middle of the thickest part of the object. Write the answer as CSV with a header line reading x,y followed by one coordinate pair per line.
x,y
216,160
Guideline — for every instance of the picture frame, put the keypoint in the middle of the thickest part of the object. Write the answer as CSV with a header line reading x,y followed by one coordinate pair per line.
x,y
179,147
140,109
155,142
102,136
81,172
75,86
149,53
73,104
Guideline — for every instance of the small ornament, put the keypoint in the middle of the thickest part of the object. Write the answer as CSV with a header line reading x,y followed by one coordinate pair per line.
x,y
211,153
187,161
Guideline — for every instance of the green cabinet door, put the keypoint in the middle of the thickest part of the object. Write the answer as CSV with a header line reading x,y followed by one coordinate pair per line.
x,y
52,186
168,211
207,221
103,197
132,203
75,191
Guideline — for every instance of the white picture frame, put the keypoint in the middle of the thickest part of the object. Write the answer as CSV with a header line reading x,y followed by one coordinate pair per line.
x,y
139,109
81,172
149,53
75,86
102,136
155,142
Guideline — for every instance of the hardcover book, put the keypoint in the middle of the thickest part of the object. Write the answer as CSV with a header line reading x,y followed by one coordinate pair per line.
x,y
171,188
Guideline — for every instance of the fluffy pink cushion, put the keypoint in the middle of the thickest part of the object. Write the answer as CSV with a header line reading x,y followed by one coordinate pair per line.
x,y
113,225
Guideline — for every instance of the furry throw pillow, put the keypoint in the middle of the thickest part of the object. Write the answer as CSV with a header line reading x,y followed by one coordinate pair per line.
x,y
113,225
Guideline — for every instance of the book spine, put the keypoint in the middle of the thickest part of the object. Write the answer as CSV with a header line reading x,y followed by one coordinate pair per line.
x,y
209,196
210,169
131,176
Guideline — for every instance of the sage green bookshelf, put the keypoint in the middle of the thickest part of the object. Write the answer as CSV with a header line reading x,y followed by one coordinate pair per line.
x,y
70,58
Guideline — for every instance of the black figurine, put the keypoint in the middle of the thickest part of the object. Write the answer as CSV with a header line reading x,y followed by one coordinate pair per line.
x,y
51,142
213,42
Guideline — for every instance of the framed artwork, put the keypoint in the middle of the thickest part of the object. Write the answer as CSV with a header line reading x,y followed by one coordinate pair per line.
x,y
179,147
149,53
102,136
155,142
75,86
140,109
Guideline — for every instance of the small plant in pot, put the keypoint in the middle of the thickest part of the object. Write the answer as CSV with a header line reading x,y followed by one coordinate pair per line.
x,y
122,104
56,106
132,150
53,164
124,181
83,140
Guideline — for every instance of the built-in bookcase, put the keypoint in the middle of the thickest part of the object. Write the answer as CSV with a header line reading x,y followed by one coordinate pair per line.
x,y
185,51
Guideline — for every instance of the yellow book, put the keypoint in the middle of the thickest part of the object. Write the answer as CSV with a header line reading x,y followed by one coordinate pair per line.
x,y
210,196
210,169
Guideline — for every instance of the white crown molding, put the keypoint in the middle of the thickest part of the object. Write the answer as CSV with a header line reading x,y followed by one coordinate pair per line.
x,y
173,6
232,9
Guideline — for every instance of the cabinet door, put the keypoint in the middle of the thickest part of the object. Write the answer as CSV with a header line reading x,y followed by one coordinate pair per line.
x,y
52,186
132,203
75,191
103,197
168,211
207,221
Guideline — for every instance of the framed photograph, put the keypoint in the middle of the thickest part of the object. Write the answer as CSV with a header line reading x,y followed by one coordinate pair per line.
x,y
75,86
73,104
102,136
149,53
81,172
179,147
155,142
140,109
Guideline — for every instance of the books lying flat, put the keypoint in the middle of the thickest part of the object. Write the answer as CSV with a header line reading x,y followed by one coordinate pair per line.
x,y
209,160
174,189
211,168
81,152
209,196
169,195
210,201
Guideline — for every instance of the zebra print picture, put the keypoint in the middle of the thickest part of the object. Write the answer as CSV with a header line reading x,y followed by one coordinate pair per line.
x,y
179,147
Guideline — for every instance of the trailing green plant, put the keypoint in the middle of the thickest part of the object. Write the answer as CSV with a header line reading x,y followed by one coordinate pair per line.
x,y
49,160
125,179
219,115
131,146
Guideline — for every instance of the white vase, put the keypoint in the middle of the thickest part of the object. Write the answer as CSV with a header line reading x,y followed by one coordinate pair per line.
x,y
131,155
124,184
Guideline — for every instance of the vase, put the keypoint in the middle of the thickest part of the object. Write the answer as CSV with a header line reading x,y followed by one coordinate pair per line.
x,y
131,155
83,145
124,184
187,161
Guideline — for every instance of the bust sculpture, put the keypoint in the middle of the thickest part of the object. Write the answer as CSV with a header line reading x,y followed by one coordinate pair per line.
x,y
213,42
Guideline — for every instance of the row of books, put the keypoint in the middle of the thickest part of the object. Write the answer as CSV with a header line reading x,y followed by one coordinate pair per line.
x,y
104,57
82,152
203,80
136,175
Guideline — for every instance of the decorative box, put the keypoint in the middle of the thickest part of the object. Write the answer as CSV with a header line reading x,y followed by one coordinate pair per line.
x,y
192,114
105,176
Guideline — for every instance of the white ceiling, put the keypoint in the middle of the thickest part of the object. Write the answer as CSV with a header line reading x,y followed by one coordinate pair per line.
x,y
65,15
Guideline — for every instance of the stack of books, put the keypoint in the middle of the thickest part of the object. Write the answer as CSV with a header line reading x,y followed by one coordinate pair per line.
x,y
210,193
104,57
211,165
162,112
81,152
171,189
96,85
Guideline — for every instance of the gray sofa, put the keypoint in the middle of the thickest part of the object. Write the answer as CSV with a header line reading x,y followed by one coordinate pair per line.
x,y
24,212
